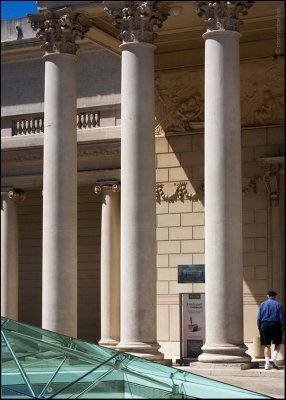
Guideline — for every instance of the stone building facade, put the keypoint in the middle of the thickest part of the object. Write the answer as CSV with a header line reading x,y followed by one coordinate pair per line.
x,y
126,156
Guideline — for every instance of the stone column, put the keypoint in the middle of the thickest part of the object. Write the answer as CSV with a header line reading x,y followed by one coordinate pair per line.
x,y
138,202
223,186
9,252
59,30
110,262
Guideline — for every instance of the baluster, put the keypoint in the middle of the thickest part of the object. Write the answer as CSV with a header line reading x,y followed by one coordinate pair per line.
x,y
94,119
36,125
80,121
97,118
42,124
16,125
18,128
89,119
32,124
19,125
22,126
84,120
28,125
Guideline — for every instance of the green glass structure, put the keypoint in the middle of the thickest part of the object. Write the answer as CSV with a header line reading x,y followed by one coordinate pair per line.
x,y
40,364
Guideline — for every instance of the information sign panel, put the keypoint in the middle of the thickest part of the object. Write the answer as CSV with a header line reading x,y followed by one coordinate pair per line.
x,y
193,324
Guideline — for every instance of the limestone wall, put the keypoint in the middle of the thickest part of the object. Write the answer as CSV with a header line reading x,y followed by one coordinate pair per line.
x,y
180,225
22,86
30,261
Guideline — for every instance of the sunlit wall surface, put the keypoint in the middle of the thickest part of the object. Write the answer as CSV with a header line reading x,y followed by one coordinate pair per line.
x,y
41,364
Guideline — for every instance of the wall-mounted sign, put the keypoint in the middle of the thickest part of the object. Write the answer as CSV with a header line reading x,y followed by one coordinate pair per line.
x,y
194,273
192,324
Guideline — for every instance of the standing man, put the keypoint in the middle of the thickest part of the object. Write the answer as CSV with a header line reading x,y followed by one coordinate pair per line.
x,y
271,323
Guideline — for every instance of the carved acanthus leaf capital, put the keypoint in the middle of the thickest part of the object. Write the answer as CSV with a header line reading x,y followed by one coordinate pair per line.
x,y
222,15
60,29
136,19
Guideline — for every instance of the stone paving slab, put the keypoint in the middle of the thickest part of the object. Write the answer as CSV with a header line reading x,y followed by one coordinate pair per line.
x,y
270,383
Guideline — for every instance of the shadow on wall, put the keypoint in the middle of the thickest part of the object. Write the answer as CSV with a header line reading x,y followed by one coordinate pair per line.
x,y
23,82
30,225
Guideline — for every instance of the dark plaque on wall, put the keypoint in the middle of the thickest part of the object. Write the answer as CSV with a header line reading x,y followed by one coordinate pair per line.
x,y
194,273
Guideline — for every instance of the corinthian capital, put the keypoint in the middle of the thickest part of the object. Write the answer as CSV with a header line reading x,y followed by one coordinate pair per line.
x,y
60,29
222,15
136,19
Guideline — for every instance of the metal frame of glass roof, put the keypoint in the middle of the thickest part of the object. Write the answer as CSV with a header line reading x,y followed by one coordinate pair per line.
x,y
40,364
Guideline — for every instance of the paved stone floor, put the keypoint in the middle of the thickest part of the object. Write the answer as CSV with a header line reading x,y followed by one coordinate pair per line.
x,y
270,383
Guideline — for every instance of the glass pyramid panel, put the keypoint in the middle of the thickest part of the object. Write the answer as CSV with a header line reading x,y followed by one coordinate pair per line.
x,y
41,364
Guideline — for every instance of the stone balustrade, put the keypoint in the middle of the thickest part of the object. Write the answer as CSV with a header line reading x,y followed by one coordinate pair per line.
x,y
27,126
35,125
89,119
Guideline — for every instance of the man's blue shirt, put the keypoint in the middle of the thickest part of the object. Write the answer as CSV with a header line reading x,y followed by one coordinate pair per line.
x,y
270,310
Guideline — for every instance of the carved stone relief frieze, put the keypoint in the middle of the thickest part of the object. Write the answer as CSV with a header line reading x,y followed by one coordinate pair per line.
x,y
179,102
262,93
180,97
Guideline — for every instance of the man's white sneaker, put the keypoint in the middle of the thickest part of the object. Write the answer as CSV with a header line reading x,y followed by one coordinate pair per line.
x,y
267,366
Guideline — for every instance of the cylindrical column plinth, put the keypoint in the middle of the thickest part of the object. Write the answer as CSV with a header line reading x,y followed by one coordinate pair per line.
x,y
223,201
110,268
138,203
60,196
9,256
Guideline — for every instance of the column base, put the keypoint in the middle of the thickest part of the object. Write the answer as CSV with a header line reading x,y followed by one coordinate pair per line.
x,y
224,354
108,343
148,351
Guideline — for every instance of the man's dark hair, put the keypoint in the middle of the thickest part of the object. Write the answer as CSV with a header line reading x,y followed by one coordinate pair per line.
x,y
271,293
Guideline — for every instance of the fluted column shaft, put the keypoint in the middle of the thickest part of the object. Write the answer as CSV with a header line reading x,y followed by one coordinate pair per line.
x,y
223,190
9,254
110,267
